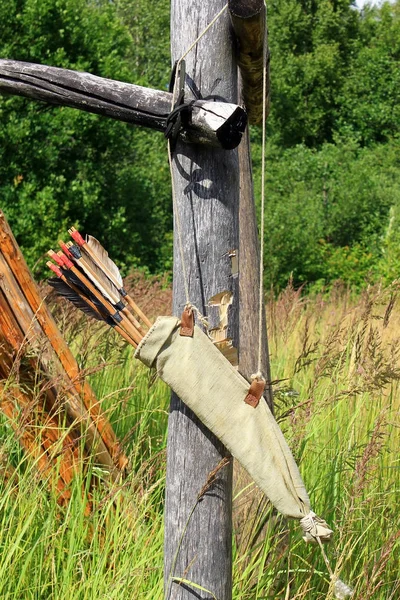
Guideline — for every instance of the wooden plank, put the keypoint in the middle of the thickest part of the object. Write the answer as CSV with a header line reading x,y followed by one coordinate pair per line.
x,y
198,533
216,123
34,337
34,316
249,25
249,252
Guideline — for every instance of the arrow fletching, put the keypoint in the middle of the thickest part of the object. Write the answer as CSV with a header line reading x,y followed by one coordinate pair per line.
x,y
103,259
78,301
89,279
99,255
94,273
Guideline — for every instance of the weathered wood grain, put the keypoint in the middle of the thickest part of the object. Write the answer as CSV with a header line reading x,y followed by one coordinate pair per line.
x,y
198,534
249,252
249,23
115,99
23,319
213,122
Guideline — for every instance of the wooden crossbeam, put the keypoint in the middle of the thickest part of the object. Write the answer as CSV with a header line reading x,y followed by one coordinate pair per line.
x,y
214,123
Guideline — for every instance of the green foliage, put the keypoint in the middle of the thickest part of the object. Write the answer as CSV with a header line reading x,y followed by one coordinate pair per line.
x,y
311,46
150,40
370,96
333,131
59,166
333,167
334,70
328,211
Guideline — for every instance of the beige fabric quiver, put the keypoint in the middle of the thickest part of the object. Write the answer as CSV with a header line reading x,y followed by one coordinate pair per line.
x,y
203,378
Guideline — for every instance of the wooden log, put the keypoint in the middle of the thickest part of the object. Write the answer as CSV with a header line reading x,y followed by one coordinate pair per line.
x,y
198,528
53,452
249,24
216,123
36,317
34,337
249,252
11,335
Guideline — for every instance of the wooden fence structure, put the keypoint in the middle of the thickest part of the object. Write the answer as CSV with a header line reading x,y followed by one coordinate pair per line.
x,y
49,404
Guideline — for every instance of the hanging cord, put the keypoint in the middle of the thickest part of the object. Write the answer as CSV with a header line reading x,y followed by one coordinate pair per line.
x,y
341,589
178,227
313,526
189,305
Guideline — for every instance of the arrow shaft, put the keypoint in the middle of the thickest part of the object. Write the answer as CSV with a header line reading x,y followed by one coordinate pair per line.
x,y
127,326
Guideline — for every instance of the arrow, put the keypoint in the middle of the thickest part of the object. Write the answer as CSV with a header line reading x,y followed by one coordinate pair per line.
x,y
66,288
89,290
99,255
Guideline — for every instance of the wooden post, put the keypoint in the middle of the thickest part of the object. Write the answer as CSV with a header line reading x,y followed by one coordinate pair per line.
x,y
198,531
249,252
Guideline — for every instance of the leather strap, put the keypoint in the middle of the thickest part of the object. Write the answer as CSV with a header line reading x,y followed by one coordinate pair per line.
x,y
187,322
255,392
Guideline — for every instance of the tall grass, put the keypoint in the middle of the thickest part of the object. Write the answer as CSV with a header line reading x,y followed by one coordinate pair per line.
x,y
336,363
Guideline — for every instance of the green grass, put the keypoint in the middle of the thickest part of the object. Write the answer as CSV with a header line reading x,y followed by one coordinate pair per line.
x,y
338,404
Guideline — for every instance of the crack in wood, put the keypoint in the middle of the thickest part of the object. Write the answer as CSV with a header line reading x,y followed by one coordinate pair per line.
x,y
223,301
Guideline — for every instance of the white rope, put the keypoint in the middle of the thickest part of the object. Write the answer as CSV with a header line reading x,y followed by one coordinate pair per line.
x,y
258,375
316,530
174,202
178,228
